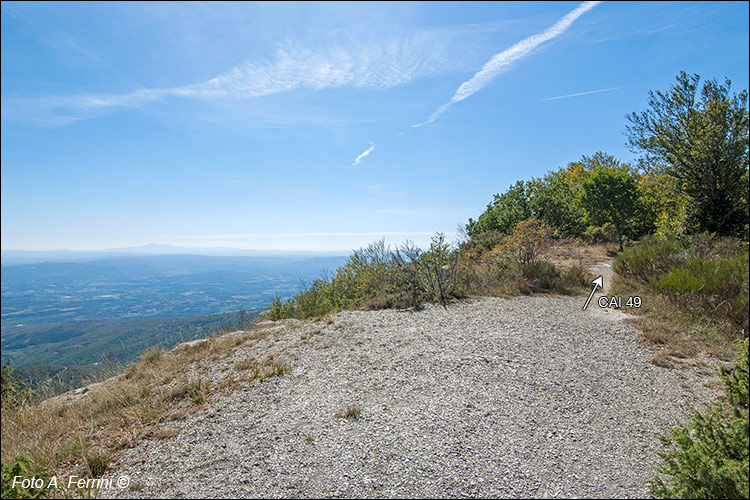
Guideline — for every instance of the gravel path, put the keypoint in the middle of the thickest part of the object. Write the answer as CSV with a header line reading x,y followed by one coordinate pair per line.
x,y
523,397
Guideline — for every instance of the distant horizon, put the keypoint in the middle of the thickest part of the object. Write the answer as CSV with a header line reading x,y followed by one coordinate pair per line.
x,y
155,247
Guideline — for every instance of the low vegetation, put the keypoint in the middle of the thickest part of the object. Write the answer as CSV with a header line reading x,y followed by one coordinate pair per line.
x,y
378,277
695,292
351,413
708,457
81,433
53,357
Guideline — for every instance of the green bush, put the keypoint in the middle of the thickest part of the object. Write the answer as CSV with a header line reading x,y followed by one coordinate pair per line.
x,y
651,258
605,233
529,240
21,466
14,394
378,277
710,455
542,276
279,309
703,274
576,277
482,242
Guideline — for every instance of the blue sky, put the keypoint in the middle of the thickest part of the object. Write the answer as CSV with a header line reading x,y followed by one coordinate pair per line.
x,y
319,126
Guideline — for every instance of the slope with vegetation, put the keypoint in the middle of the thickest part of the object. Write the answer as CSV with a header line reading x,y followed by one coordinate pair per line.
x,y
679,217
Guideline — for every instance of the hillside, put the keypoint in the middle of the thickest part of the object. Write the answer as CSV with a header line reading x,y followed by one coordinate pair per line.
x,y
528,396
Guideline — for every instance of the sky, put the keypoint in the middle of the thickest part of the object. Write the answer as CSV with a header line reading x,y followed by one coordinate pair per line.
x,y
320,126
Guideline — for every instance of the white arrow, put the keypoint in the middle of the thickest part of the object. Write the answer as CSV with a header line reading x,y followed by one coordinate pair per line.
x,y
598,283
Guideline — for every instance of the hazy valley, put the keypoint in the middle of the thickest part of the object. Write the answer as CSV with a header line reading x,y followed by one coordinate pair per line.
x,y
86,312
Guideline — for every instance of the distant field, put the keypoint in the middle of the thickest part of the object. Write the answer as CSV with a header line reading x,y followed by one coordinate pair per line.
x,y
83,314
150,287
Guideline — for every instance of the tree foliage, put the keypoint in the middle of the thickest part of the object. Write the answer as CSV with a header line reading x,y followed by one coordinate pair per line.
x,y
555,199
611,197
14,394
507,210
703,143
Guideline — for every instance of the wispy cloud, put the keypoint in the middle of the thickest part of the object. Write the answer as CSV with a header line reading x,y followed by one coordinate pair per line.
x,y
364,154
580,93
502,62
345,60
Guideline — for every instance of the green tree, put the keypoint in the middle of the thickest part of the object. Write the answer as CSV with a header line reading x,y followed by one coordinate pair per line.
x,y
611,197
554,200
507,210
702,143
14,394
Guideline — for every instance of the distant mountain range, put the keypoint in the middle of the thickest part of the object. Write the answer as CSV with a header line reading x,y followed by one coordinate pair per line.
x,y
12,257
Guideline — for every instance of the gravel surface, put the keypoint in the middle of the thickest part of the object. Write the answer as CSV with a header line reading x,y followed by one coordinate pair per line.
x,y
523,397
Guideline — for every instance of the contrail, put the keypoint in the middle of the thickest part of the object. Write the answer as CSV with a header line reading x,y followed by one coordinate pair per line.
x,y
501,62
580,93
365,153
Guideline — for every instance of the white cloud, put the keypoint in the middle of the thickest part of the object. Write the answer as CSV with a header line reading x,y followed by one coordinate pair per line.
x,y
502,62
364,154
345,60
580,93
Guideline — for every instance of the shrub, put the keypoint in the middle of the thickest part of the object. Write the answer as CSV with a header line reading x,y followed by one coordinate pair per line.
x,y
653,257
13,395
576,277
711,455
482,242
542,276
703,274
605,233
377,277
21,466
279,310
439,270
529,240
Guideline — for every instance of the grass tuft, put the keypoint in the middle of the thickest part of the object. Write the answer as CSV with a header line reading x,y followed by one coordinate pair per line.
x,y
351,413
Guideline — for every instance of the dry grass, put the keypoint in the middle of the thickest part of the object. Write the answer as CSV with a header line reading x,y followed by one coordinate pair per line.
x,y
351,413
490,272
674,333
81,433
566,253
